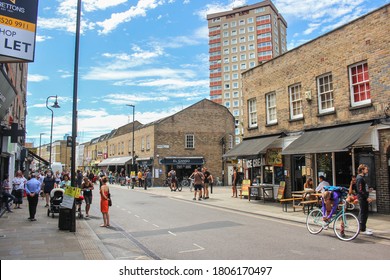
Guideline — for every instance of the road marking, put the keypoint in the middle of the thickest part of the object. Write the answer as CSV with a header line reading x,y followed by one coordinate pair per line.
x,y
171,233
129,212
124,209
136,216
193,250
155,225
146,221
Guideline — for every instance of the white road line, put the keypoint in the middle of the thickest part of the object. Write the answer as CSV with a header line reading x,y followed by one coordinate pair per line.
x,y
129,212
123,209
146,221
171,233
136,216
155,225
193,250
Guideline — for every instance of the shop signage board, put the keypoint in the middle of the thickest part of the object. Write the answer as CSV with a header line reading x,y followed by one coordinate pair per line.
x,y
274,157
18,20
245,187
281,189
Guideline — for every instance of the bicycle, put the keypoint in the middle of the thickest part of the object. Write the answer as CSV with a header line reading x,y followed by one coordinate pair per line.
x,y
187,182
218,182
346,226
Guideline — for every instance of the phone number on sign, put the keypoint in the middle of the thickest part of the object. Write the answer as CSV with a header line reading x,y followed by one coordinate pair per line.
x,y
264,270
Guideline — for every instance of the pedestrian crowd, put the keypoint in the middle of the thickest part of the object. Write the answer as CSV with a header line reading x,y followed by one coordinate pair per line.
x,y
41,184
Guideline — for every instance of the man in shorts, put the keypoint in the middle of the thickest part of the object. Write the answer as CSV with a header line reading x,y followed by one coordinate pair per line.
x,y
198,181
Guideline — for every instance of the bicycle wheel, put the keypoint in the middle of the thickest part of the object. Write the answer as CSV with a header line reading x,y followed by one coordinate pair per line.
x,y
346,227
314,221
184,183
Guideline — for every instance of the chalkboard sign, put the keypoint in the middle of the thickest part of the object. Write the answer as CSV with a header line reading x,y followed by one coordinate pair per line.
x,y
281,189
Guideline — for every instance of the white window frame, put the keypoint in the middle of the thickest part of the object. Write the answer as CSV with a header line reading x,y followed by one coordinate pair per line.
x,y
189,140
271,108
325,93
142,144
252,113
295,96
363,82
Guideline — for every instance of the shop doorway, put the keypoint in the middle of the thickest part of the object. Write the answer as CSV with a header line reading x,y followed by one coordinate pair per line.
x,y
298,177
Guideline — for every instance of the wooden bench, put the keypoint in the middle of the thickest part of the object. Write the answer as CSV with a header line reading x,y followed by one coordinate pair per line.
x,y
308,204
285,201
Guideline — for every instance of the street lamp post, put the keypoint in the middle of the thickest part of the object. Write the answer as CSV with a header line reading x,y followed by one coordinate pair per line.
x,y
40,147
55,105
132,142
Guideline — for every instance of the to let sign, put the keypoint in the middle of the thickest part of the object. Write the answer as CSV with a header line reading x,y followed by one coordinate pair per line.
x,y
18,20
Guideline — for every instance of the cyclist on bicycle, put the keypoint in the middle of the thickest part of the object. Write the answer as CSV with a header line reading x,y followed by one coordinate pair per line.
x,y
330,200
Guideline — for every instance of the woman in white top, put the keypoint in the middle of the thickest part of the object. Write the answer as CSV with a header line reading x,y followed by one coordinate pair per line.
x,y
18,188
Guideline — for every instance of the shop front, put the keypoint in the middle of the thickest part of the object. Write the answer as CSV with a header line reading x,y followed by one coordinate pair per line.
x,y
261,160
144,163
184,166
114,164
334,153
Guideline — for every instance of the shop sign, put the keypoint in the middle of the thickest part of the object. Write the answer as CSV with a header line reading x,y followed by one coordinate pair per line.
x,y
274,157
257,162
182,161
17,30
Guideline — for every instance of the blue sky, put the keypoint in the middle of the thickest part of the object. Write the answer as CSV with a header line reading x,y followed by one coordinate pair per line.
x,y
150,53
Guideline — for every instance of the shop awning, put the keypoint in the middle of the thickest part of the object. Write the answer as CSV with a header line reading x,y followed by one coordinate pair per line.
x,y
34,155
7,94
251,148
115,161
327,140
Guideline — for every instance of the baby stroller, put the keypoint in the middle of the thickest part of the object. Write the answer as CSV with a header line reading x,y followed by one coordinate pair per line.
x,y
56,196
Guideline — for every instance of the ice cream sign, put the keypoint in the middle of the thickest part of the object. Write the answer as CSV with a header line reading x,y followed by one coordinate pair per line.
x,y
18,20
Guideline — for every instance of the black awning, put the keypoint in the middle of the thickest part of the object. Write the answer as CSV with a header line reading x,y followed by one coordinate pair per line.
x,y
182,161
7,94
34,155
336,139
251,148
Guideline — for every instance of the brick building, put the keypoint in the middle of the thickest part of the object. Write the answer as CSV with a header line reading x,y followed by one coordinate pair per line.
x,y
194,137
322,109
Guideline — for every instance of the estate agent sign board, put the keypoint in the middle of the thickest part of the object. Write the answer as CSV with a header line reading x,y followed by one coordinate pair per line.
x,y
18,20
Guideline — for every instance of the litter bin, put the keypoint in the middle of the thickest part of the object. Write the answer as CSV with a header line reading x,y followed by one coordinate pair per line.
x,y
64,220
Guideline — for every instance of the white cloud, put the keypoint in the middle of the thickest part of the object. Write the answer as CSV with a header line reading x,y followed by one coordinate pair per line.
x,y
218,7
312,27
123,99
139,10
39,38
93,5
100,74
36,78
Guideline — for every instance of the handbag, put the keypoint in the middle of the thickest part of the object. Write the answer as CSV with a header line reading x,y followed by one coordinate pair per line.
x,y
109,200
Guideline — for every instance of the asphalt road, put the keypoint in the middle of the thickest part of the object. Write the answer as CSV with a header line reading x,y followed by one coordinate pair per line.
x,y
149,226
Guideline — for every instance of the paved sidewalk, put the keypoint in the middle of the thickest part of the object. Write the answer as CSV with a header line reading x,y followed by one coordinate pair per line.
x,y
21,239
